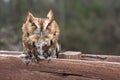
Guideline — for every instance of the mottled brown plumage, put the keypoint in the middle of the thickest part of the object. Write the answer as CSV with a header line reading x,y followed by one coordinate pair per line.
x,y
40,36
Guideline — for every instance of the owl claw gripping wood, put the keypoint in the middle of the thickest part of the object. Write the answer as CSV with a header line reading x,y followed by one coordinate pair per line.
x,y
40,37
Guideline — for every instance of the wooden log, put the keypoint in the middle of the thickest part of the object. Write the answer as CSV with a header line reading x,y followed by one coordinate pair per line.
x,y
92,69
109,58
14,68
89,57
70,55
11,52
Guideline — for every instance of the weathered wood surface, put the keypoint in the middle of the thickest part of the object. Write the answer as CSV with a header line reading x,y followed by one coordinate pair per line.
x,y
71,55
89,57
90,67
109,58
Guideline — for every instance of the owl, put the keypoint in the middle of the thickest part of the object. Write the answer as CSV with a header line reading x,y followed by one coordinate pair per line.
x,y
41,37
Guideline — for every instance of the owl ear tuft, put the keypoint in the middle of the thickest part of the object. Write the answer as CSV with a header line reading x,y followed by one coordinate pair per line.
x,y
50,15
30,17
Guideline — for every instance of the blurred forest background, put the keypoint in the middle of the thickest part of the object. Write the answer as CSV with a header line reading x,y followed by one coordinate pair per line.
x,y
90,26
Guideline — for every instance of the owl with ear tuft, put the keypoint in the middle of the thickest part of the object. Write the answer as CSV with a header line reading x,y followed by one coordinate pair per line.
x,y
41,37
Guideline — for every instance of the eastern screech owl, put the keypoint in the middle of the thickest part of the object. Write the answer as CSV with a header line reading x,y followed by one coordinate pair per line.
x,y
40,37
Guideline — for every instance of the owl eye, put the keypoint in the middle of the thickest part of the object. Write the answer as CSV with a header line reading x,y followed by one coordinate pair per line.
x,y
49,24
33,24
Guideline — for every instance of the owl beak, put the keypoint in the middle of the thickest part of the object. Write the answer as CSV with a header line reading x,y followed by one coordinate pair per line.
x,y
41,33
